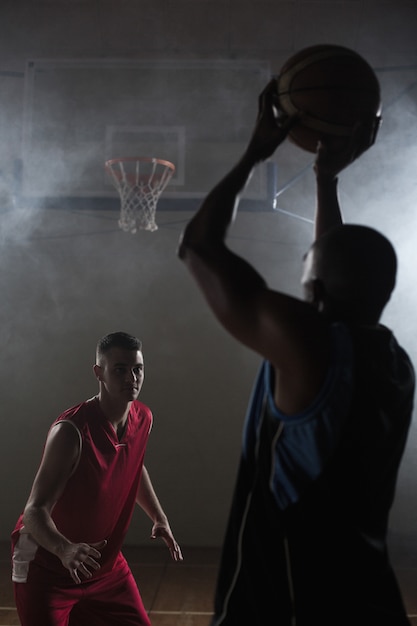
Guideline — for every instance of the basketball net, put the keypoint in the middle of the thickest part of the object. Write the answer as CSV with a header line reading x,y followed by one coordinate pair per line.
x,y
139,181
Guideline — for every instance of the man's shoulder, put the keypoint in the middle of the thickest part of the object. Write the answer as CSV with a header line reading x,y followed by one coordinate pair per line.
x,y
140,409
79,412
141,416
382,362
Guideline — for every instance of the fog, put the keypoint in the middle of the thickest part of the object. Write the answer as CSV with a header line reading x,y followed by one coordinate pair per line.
x,y
82,93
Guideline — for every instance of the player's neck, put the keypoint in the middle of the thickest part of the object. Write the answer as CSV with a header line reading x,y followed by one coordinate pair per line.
x,y
115,411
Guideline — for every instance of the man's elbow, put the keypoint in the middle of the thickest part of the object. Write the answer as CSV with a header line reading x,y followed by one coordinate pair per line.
x,y
182,247
189,246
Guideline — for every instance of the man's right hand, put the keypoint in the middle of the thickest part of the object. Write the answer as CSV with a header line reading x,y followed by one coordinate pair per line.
x,y
81,558
272,125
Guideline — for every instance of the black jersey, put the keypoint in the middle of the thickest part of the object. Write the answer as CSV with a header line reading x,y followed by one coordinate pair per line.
x,y
306,538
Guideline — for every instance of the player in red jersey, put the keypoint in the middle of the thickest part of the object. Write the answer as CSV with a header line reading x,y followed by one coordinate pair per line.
x,y
68,567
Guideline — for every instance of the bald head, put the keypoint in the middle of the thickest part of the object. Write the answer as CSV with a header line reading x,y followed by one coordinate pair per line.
x,y
355,267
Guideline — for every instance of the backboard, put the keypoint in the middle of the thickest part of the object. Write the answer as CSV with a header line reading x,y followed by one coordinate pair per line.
x,y
79,113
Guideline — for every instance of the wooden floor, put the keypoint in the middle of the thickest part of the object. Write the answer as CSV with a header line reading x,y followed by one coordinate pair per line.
x,y
181,594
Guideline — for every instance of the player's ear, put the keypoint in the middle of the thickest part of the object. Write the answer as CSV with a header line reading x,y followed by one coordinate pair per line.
x,y
319,293
97,371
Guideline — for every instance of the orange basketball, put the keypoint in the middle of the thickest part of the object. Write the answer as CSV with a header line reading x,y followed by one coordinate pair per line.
x,y
333,87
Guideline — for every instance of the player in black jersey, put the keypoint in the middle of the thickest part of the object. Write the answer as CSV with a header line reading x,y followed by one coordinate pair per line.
x,y
329,415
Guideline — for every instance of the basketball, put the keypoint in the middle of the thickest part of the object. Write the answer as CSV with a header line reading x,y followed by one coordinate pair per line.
x,y
333,88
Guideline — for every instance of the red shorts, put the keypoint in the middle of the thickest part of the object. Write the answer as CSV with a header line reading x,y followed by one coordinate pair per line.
x,y
110,599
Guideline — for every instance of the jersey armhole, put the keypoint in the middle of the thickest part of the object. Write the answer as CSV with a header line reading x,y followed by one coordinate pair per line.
x,y
80,442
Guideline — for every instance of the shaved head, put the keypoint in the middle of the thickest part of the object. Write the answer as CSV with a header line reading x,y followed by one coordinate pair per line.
x,y
356,266
116,340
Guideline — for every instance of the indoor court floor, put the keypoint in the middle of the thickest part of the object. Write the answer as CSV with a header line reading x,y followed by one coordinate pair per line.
x,y
181,594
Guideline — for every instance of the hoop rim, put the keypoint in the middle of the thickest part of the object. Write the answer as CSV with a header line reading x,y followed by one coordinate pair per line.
x,y
168,164
139,193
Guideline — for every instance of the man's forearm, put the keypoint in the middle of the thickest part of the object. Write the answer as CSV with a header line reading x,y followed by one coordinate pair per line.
x,y
328,213
148,500
38,522
212,220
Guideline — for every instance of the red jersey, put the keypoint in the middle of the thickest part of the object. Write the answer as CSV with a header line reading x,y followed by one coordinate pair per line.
x,y
100,495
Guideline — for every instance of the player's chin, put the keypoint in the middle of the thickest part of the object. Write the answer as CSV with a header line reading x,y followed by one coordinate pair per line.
x,y
131,393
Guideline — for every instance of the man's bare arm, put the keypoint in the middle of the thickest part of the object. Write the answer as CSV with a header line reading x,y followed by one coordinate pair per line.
x,y
60,455
270,322
330,161
147,499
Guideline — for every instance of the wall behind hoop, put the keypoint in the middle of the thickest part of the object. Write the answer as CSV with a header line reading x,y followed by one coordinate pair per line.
x,y
78,113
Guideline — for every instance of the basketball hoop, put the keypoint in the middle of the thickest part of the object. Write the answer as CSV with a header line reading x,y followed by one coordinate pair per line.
x,y
139,181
